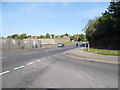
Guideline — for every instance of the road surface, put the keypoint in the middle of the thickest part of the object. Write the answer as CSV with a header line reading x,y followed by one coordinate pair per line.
x,y
50,68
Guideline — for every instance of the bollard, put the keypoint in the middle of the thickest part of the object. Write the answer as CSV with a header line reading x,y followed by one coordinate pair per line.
x,y
88,46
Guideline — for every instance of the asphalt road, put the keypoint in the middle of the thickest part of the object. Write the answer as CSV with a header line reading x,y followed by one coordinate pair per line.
x,y
50,68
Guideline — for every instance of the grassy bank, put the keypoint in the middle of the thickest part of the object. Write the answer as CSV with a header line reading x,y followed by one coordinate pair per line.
x,y
103,51
68,42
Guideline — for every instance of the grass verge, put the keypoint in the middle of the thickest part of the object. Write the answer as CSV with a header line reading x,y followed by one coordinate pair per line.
x,y
68,42
103,51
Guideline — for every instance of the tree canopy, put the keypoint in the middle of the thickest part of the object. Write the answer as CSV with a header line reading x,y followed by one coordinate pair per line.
x,y
106,26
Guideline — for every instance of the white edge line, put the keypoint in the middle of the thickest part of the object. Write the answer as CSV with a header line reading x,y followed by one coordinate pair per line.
x,y
4,72
37,60
30,63
43,58
18,67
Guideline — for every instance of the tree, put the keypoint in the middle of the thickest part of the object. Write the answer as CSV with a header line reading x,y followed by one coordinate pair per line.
x,y
62,36
28,36
23,36
81,38
47,35
114,10
106,26
72,38
9,36
66,34
14,36
52,35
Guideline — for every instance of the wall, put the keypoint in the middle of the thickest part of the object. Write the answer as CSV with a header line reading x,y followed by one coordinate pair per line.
x,y
18,44
54,40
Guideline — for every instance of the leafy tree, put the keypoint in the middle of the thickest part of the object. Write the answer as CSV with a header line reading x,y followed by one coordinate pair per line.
x,y
23,36
52,35
14,36
28,36
81,38
62,36
9,36
66,34
72,38
114,10
47,35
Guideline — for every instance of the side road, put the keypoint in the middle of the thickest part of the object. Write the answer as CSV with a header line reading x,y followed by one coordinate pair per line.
x,y
79,53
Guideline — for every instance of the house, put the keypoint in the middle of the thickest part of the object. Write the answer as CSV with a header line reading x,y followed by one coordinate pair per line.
x,y
77,35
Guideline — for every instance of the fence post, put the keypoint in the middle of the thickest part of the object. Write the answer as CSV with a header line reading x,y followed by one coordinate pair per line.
x,y
85,46
88,46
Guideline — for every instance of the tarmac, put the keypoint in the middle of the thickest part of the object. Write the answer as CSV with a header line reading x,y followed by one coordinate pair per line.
x,y
79,53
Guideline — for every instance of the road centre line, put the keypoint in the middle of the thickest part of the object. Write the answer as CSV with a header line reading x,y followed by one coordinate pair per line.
x,y
4,72
30,63
37,60
43,58
18,67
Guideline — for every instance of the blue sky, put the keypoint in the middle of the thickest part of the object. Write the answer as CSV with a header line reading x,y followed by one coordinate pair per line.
x,y
36,18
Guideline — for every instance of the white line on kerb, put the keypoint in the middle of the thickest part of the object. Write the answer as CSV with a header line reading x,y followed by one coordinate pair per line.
x,y
4,72
37,61
30,63
18,67
43,58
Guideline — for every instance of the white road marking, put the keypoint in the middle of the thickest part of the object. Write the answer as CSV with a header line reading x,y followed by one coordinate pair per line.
x,y
43,58
4,72
30,63
18,67
48,57
37,60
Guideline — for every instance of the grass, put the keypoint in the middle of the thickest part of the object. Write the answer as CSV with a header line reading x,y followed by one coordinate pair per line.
x,y
68,42
103,51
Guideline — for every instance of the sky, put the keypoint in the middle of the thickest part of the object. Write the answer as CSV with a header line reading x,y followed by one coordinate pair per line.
x,y
39,18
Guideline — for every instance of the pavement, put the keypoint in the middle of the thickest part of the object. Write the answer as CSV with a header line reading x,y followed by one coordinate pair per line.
x,y
79,53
